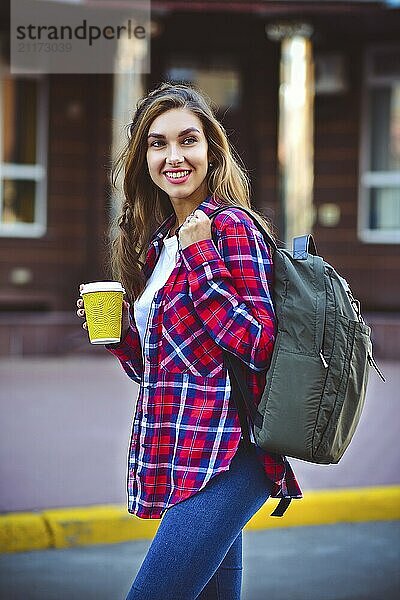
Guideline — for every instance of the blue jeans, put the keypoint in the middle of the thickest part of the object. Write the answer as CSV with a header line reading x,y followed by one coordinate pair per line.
x,y
197,550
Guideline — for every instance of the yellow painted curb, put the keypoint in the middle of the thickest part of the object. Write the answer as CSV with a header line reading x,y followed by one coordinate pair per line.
x,y
333,506
106,524
23,531
69,527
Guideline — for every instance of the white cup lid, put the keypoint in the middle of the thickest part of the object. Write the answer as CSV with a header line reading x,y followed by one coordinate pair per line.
x,y
102,286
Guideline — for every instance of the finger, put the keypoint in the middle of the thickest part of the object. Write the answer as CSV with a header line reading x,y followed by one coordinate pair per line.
x,y
84,325
79,303
80,312
80,287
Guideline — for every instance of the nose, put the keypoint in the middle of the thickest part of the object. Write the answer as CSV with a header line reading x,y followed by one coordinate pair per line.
x,y
174,156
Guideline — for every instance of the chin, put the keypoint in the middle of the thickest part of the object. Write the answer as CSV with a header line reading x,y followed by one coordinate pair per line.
x,y
181,193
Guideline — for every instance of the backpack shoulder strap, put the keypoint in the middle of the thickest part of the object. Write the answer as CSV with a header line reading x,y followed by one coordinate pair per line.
x,y
304,245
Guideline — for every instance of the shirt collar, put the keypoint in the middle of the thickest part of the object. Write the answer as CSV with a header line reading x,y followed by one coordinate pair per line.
x,y
209,204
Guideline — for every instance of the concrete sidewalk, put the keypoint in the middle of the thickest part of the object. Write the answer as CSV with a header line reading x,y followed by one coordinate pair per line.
x,y
65,427
353,561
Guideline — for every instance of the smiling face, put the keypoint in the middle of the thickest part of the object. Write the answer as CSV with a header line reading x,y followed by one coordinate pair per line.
x,y
177,157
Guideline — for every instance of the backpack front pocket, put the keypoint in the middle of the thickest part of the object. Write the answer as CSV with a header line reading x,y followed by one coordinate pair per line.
x,y
346,379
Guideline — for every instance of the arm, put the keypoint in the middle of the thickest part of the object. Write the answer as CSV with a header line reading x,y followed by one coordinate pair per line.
x,y
230,290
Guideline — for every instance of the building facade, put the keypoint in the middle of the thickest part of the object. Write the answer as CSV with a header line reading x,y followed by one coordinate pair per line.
x,y
58,142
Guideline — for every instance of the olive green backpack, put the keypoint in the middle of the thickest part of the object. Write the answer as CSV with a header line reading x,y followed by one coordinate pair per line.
x,y
317,378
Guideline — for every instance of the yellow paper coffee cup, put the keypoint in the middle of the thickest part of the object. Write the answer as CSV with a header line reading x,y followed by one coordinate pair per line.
x,y
102,301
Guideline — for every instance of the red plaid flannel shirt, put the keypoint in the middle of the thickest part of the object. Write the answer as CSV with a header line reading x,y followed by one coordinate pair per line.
x,y
186,428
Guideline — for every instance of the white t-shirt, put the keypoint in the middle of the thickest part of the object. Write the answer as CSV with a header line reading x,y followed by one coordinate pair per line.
x,y
163,269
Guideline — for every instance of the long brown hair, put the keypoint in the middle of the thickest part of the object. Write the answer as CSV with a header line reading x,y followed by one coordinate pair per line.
x,y
145,206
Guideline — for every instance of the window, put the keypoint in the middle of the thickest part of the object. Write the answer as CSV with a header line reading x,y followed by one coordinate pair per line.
x,y
23,133
217,77
379,209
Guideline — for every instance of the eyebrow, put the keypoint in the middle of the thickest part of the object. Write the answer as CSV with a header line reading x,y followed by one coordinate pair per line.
x,y
184,132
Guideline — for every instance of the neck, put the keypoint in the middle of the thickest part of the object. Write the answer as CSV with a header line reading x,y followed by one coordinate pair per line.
x,y
184,206
173,228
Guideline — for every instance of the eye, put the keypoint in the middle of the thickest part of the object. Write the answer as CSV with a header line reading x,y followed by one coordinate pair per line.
x,y
156,142
191,139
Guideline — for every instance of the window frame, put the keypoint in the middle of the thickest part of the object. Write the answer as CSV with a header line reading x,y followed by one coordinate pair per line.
x,y
36,172
369,179
209,63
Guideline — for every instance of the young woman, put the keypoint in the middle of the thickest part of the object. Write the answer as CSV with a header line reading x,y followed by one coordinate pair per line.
x,y
190,299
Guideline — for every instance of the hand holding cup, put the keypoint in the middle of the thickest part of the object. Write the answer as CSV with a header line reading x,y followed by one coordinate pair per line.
x,y
108,320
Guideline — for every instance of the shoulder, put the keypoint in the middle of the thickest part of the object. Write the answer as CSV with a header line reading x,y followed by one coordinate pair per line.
x,y
234,218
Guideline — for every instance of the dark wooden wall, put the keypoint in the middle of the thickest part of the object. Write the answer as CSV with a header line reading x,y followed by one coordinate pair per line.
x,y
371,269
80,119
72,249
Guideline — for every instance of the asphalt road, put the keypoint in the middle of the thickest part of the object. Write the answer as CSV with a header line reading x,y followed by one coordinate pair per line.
x,y
348,561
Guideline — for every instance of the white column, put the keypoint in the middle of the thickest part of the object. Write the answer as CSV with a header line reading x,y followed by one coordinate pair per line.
x,y
128,88
296,132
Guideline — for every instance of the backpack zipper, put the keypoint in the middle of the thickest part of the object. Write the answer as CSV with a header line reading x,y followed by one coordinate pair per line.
x,y
321,352
322,357
373,364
